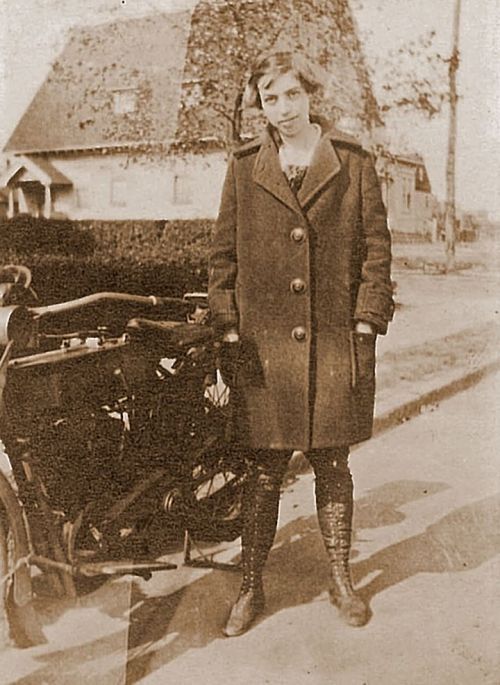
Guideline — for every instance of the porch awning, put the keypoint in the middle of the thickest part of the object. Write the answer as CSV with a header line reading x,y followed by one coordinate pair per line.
x,y
27,169
57,178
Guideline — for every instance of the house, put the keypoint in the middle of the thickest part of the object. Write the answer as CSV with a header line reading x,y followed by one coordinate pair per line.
x,y
407,195
468,228
133,120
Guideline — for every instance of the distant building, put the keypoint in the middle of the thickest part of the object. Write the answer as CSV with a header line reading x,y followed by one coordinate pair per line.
x,y
110,133
489,226
468,227
474,225
407,195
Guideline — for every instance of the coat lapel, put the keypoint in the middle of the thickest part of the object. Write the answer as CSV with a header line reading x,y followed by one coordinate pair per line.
x,y
268,174
325,164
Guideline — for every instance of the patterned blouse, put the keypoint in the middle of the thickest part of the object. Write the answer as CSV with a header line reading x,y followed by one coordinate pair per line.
x,y
295,175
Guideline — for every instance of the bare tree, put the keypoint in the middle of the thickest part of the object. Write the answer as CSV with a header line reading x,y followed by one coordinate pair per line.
x,y
414,78
417,78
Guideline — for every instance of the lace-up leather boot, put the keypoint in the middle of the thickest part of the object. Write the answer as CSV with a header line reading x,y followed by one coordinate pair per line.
x,y
334,500
261,503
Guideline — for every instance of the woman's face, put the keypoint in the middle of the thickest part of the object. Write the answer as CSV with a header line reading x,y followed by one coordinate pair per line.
x,y
285,104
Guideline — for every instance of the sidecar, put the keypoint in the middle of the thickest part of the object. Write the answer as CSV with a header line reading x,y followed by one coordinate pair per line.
x,y
109,432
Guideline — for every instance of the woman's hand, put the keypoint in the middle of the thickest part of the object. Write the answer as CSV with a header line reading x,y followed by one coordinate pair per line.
x,y
365,327
231,336
229,355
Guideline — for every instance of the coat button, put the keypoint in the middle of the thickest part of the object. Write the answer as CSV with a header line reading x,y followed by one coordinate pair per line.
x,y
298,235
297,286
299,333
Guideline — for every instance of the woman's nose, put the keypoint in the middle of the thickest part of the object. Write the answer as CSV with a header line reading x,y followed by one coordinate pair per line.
x,y
284,107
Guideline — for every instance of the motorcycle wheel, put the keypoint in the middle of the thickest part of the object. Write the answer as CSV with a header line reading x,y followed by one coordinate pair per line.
x,y
19,625
216,472
214,503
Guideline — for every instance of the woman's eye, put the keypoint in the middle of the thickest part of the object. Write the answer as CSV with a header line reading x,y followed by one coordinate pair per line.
x,y
294,94
270,100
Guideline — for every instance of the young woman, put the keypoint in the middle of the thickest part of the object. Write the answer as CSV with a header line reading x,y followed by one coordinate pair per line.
x,y
299,283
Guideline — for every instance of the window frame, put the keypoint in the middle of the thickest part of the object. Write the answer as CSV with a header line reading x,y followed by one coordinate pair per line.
x,y
118,199
120,96
182,196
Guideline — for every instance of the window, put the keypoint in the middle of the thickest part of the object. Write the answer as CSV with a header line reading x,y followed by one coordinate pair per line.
x,y
407,188
118,193
421,181
82,197
124,101
182,190
192,92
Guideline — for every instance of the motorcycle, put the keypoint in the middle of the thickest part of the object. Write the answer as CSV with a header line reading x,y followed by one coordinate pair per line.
x,y
117,442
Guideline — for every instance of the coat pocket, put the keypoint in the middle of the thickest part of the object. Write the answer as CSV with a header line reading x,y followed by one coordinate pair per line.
x,y
250,372
362,349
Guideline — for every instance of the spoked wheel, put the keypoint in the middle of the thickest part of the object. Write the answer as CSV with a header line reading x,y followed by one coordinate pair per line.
x,y
5,581
216,471
19,625
214,511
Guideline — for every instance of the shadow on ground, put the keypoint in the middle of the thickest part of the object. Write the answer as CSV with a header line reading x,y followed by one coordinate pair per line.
x,y
460,541
163,628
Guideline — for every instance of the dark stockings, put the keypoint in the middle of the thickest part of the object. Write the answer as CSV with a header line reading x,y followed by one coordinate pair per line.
x,y
261,505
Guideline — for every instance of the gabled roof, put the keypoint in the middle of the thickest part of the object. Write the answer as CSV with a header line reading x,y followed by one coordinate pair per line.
x,y
411,158
414,160
38,169
164,62
73,109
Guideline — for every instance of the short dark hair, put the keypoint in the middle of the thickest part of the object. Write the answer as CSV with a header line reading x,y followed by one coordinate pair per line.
x,y
276,63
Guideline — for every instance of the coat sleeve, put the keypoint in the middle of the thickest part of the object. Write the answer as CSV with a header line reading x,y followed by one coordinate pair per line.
x,y
374,300
223,265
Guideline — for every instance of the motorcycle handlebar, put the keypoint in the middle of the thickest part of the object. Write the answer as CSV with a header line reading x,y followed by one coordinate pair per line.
x,y
146,301
20,323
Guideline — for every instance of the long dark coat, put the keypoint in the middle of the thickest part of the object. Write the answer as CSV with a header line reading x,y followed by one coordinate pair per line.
x,y
293,274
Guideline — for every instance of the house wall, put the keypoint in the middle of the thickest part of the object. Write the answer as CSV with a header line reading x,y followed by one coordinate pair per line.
x,y
409,210
118,186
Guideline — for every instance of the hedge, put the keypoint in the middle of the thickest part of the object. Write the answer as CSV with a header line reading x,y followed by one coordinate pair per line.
x,y
25,234
72,259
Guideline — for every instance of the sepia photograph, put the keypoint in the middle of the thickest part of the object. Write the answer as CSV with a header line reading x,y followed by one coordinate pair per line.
x,y
249,342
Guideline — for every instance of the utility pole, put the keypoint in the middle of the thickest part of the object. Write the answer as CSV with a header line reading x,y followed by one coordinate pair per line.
x,y
450,217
